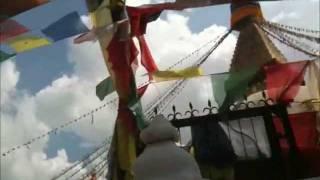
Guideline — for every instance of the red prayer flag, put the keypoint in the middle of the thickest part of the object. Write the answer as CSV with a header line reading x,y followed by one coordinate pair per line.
x,y
283,80
139,18
10,28
306,135
146,58
13,7
121,55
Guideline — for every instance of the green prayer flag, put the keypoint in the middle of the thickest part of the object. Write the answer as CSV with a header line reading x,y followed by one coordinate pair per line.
x,y
4,56
217,82
104,88
231,87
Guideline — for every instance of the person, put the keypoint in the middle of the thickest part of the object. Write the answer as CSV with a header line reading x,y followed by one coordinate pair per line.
x,y
162,158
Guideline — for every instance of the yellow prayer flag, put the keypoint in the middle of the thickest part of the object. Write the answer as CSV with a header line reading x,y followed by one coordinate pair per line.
x,y
27,42
126,149
102,15
177,74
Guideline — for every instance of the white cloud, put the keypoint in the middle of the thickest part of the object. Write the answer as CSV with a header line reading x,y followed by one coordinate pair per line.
x,y
34,166
9,81
19,124
283,16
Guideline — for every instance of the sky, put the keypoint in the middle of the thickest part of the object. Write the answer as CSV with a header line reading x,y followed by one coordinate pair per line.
x,y
46,87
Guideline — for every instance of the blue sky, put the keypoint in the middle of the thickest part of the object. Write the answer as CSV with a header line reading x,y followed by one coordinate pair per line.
x,y
74,70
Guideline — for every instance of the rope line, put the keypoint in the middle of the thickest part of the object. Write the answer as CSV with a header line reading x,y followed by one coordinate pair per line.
x,y
300,35
294,28
55,130
84,159
286,42
172,92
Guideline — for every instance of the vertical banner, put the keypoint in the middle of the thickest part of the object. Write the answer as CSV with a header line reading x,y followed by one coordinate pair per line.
x,y
119,52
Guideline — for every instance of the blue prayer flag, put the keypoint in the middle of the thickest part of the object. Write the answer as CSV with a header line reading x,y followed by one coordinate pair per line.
x,y
65,27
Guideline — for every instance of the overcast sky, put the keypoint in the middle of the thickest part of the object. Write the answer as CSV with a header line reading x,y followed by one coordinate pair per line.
x,y
46,87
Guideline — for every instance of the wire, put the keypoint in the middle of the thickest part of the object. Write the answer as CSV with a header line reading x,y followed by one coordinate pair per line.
x,y
178,84
293,41
55,130
284,41
85,158
300,35
62,126
294,28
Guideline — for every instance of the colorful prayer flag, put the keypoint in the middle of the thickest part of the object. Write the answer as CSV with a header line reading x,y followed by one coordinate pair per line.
x,y
101,16
219,92
27,42
177,74
141,16
304,127
104,88
146,57
235,86
283,80
4,56
10,28
65,27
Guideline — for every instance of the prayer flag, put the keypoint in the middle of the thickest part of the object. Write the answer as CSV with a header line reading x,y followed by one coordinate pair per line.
x,y
104,88
4,56
235,85
10,28
283,80
27,42
177,74
65,27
